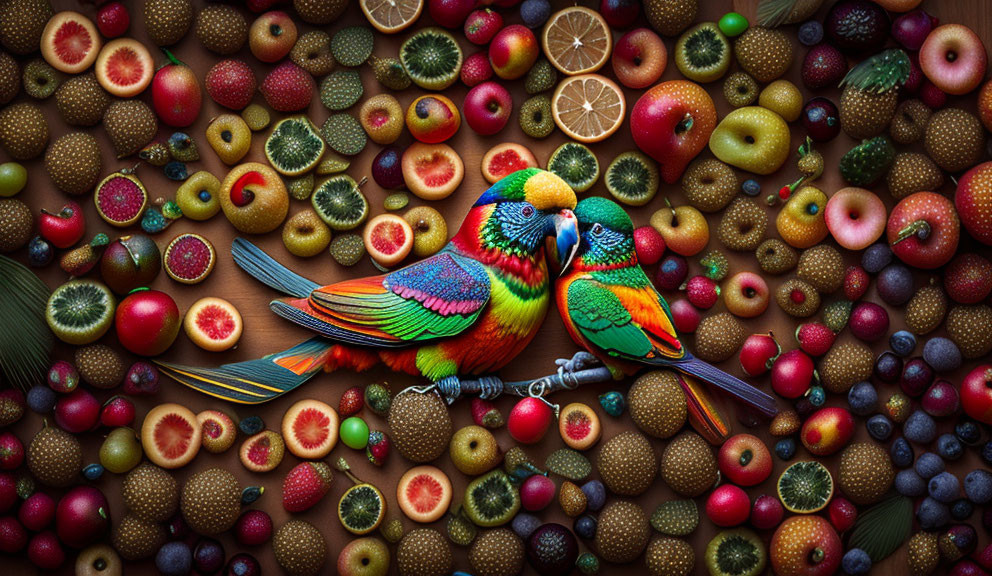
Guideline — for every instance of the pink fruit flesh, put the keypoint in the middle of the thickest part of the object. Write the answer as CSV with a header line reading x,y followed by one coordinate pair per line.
x,y
424,492
215,322
120,199
258,452
435,171
172,436
388,237
577,425
311,427
189,258
124,67
72,42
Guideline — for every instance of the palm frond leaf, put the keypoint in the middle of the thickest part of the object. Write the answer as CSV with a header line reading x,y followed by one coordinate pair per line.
x,y
879,73
25,340
773,13
883,528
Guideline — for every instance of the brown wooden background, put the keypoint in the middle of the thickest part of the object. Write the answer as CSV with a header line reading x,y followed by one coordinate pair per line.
x,y
265,333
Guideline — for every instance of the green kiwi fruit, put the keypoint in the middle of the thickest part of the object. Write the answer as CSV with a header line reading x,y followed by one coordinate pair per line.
x,y
353,45
40,79
361,509
341,89
294,146
632,178
738,552
347,249
576,164
491,500
805,487
80,311
340,203
344,134
432,58
702,53
536,119
332,164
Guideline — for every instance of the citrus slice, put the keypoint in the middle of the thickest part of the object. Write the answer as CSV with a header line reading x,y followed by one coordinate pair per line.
x,y
392,16
588,107
577,40
805,487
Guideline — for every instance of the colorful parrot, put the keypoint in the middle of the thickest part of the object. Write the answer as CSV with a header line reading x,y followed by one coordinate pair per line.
x,y
468,310
612,309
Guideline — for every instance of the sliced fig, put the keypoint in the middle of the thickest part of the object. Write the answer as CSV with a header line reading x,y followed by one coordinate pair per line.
x,y
70,42
263,451
310,429
189,258
213,324
505,159
121,199
124,67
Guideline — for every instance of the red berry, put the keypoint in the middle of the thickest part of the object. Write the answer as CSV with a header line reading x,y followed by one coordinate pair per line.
x,y
481,25
45,551
703,292
685,315
869,321
529,420
486,414
117,412
352,402
968,278
649,244
254,528
8,491
792,374
11,451
37,512
759,353
476,69
13,536
113,19
842,513
932,96
815,338
288,88
728,506
767,512
672,272
855,283
78,411
231,83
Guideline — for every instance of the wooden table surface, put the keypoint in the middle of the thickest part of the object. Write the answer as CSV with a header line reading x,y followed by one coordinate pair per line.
x,y
265,333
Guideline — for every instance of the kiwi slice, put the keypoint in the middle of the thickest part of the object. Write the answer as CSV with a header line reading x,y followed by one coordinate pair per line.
x,y
632,178
432,58
80,311
341,89
347,249
738,552
805,487
294,147
344,134
340,203
536,119
361,509
353,45
576,165
491,500
702,53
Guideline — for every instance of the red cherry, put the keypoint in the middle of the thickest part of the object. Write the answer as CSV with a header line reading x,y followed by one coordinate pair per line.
x,y
924,230
815,338
113,19
702,291
649,245
77,411
842,513
792,374
529,420
117,412
767,512
728,506
759,353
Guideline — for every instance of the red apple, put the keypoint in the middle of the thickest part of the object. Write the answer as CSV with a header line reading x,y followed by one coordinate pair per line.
x,y
116,412
827,430
176,93
639,58
513,51
620,13
976,393
450,13
64,228
759,353
487,108
77,411
649,245
272,36
792,374
745,460
767,512
529,420
973,201
672,123
82,517
728,506
147,322
924,230
685,315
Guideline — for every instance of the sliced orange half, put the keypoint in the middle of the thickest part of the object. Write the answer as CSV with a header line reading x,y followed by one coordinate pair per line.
x,y
588,108
392,16
577,40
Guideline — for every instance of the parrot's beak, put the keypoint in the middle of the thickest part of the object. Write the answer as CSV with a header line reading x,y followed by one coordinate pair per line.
x,y
566,237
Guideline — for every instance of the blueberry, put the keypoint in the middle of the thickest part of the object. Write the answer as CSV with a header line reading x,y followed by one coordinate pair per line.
x,y
862,398
942,355
750,187
595,494
929,465
174,559
908,483
949,447
40,252
902,343
856,562
817,396
41,399
175,170
879,427
535,13
208,556
978,486
932,514
888,367
251,425
944,487
92,471
524,524
895,284
902,453
987,453
920,428
968,431
961,509
876,257
613,403
585,527
811,32
785,448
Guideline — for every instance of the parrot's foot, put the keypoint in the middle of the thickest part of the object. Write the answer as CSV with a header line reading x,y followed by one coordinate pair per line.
x,y
578,362
487,387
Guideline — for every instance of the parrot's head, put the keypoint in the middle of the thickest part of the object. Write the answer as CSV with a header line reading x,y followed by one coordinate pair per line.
x,y
525,208
607,234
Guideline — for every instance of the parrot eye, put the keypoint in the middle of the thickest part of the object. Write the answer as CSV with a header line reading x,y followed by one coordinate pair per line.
x,y
527,211
597,229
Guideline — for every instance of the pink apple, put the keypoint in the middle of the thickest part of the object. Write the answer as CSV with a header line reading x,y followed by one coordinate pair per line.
x,y
513,51
487,108
855,217
639,58
953,57
176,94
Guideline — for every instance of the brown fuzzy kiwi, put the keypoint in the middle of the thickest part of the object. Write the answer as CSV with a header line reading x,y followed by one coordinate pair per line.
x,y
845,365
420,425
797,298
909,123
865,472
299,548
131,125
16,224
764,53
954,139
497,552
822,267
657,403
100,366
743,225
424,552
866,113
167,21
82,101
392,530
150,493
211,501
312,52
54,457
923,553
10,73
669,557
913,172
709,185
221,28
23,130
719,337
740,89
785,423
776,257
572,499
73,163
22,23
136,539
688,465
967,326
627,464
926,309
319,11
622,532
670,17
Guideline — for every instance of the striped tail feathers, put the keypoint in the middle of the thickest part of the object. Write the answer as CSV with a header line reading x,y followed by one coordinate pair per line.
x,y
299,311
266,270
732,385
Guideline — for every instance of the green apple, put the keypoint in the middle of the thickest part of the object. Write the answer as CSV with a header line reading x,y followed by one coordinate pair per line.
x,y
753,139
13,178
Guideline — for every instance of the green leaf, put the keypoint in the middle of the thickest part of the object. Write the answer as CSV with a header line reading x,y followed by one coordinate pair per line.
x,y
25,339
773,13
880,73
883,528
569,464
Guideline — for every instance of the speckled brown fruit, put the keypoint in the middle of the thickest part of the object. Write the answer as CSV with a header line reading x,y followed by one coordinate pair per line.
x,y
657,403
785,423
497,552
622,532
797,298
100,366
719,337
419,425
392,530
211,501
16,224
670,17
319,11
909,123
765,53
73,163
743,225
572,499
740,89
424,552
776,257
55,457
968,327
22,23
82,101
135,539
845,365
167,21
923,553
709,184
10,77
865,472
955,139
312,52
669,557
822,267
688,465
150,493
866,113
23,130
627,464
131,125
913,172
299,548
221,28
926,309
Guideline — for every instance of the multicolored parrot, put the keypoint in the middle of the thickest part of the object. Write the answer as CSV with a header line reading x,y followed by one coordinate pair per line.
x,y
612,309
468,310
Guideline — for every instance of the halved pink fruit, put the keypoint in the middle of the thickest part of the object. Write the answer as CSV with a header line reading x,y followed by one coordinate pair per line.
x,y
170,435
213,324
189,259
217,431
70,42
388,239
310,428
124,67
432,171
505,159
424,493
120,199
